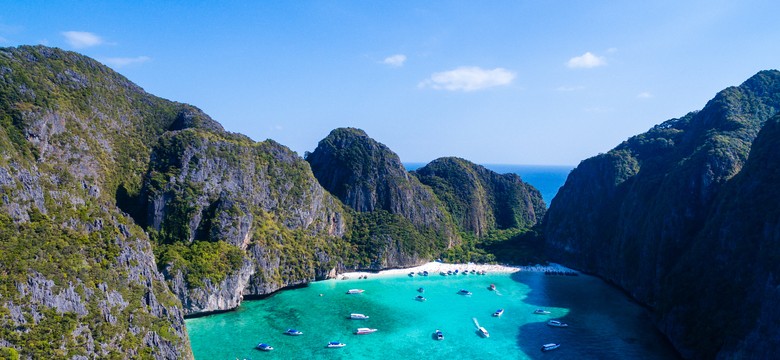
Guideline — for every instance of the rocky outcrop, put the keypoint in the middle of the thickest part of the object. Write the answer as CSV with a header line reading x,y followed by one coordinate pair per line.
x,y
664,217
79,278
259,199
370,178
481,200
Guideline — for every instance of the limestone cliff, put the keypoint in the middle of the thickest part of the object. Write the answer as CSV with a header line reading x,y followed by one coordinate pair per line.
x,y
479,199
655,213
254,209
369,178
79,279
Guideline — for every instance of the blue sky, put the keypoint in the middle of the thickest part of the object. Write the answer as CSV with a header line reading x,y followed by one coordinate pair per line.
x,y
515,82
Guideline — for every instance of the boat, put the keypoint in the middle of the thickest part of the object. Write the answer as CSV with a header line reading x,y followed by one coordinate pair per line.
x,y
449,272
456,271
363,331
483,332
355,291
550,346
293,332
336,344
464,292
420,298
439,335
492,287
498,313
420,290
358,316
443,273
464,272
411,274
557,323
425,273
264,347
541,311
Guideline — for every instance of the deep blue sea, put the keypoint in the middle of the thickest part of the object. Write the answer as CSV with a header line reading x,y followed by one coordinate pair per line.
x,y
547,178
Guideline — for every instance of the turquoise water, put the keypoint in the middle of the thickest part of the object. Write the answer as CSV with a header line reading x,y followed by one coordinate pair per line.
x,y
604,324
547,178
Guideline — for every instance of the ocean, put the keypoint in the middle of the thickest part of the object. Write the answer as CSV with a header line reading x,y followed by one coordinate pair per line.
x,y
547,178
603,322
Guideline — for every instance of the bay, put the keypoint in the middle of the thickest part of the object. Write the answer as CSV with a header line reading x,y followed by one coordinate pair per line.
x,y
604,323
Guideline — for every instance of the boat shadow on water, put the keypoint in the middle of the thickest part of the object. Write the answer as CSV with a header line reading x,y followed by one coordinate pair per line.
x,y
603,322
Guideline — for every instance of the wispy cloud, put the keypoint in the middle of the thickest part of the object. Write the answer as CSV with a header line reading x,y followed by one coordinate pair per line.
x,y
124,61
82,39
586,60
396,60
468,78
3,40
644,95
570,88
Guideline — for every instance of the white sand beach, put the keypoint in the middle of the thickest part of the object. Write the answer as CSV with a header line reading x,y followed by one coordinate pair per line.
x,y
434,268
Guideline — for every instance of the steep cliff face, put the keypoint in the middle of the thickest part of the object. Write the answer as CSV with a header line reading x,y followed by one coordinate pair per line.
x,y
642,215
78,276
480,199
232,217
369,178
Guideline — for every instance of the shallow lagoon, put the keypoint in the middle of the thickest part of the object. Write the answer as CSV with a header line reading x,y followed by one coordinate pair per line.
x,y
604,323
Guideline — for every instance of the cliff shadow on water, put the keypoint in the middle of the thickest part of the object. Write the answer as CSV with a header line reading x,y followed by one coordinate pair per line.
x,y
603,322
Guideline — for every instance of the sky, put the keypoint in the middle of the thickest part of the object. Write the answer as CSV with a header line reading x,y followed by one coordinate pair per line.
x,y
494,82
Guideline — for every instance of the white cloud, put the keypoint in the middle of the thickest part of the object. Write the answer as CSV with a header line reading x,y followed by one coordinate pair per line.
x,y
124,61
644,95
612,50
586,60
468,78
396,60
82,39
569,88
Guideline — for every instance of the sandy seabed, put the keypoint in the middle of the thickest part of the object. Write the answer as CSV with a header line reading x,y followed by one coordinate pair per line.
x,y
435,267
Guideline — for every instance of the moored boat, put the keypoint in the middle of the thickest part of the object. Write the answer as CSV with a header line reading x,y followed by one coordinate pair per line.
x,y
264,347
464,292
425,273
293,332
358,316
411,274
420,298
483,332
556,323
498,313
355,291
364,331
439,335
541,311
420,290
550,346
336,344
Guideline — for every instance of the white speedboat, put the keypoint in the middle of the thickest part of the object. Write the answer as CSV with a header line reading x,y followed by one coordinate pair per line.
x,y
541,311
550,346
464,292
264,347
355,291
498,313
557,323
420,298
492,287
439,335
336,344
483,332
358,316
363,331
293,332
411,274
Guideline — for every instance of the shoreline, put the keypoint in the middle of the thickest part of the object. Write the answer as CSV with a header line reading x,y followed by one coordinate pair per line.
x,y
434,268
